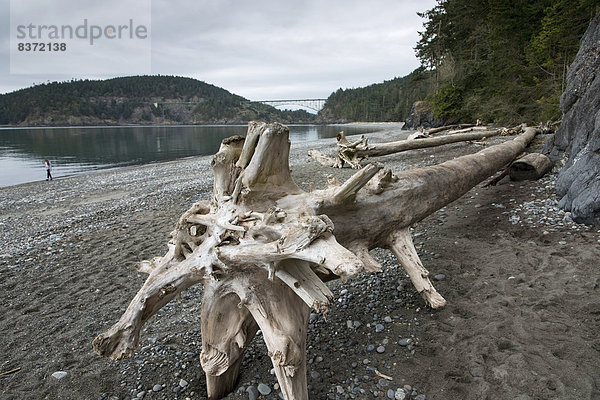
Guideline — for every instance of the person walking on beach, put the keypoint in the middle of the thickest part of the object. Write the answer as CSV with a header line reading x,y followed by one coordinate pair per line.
x,y
48,165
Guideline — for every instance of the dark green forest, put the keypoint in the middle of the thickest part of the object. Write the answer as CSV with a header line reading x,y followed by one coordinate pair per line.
x,y
499,61
134,100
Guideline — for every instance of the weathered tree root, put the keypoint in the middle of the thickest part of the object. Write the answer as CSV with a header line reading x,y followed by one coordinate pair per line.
x,y
263,248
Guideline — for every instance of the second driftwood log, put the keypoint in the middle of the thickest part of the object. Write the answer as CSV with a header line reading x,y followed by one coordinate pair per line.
x,y
353,153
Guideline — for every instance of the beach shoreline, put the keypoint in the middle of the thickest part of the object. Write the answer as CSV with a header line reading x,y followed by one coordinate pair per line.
x,y
520,278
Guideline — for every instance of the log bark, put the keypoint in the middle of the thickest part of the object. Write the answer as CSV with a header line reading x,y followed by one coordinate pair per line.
x,y
263,248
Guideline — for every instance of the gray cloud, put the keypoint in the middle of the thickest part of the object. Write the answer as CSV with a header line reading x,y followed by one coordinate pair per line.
x,y
265,48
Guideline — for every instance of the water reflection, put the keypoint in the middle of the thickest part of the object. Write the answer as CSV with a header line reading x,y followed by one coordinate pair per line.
x,y
81,149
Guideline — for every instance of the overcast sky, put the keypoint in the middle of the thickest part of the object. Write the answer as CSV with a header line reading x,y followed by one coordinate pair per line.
x,y
261,49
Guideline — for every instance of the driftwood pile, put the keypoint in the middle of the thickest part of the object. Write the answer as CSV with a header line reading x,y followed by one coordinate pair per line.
x,y
263,248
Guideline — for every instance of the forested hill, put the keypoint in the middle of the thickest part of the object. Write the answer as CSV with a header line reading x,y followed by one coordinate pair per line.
x,y
497,60
134,100
387,101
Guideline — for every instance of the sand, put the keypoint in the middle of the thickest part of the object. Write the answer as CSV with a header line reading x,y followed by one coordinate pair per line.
x,y
521,280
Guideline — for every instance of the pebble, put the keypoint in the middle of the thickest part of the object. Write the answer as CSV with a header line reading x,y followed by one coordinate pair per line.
x,y
388,319
400,394
391,394
252,393
141,394
405,342
382,383
59,374
183,383
439,277
157,388
545,212
264,389
370,348
378,328
315,375
381,349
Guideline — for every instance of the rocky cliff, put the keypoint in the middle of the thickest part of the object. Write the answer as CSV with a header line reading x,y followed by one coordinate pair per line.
x,y
421,115
578,139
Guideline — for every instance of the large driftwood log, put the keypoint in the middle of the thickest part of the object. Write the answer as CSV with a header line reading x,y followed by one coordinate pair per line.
x,y
353,153
263,249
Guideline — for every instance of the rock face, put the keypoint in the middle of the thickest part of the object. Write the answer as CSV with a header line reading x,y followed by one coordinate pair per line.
x,y
421,115
578,138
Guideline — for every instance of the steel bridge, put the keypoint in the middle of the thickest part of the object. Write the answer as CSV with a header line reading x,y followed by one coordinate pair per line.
x,y
313,104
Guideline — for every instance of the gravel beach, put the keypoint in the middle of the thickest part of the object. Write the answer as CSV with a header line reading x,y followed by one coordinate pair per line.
x,y
520,277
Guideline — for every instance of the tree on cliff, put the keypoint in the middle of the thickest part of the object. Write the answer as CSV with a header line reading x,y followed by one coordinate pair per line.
x,y
493,57
496,60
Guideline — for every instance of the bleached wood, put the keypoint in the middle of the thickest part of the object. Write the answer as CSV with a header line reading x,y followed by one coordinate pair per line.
x,y
161,287
324,251
354,153
382,149
347,192
347,152
323,159
447,128
401,244
224,169
263,249
282,317
464,130
227,329
381,181
362,251
305,283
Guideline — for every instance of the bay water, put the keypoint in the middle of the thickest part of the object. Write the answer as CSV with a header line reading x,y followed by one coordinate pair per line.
x,y
77,150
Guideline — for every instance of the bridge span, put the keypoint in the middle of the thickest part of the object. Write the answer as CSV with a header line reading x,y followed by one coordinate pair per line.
x,y
313,104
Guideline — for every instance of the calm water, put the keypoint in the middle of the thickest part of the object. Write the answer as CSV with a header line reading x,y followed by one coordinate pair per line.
x,y
79,150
